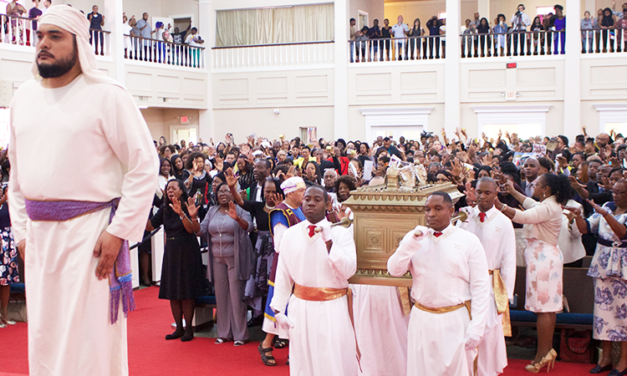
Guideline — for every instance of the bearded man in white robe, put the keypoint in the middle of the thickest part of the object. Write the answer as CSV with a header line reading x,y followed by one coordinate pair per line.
x,y
82,182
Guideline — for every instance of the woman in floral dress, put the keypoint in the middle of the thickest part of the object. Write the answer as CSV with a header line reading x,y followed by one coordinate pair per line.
x,y
609,270
8,260
545,264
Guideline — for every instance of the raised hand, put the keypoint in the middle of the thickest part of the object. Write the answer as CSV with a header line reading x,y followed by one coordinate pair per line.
x,y
597,208
471,197
176,206
192,209
232,211
231,180
274,199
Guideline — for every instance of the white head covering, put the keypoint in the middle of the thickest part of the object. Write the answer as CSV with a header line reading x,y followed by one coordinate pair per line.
x,y
293,184
75,22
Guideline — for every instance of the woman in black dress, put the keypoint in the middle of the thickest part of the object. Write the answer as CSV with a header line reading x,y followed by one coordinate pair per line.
x,y
182,272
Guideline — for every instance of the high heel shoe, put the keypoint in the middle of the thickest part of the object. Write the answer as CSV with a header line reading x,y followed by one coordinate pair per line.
x,y
548,360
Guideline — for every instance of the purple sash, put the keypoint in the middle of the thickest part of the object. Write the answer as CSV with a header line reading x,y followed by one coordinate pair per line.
x,y
120,281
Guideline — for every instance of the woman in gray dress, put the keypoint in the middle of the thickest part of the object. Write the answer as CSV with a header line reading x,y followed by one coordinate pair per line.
x,y
231,262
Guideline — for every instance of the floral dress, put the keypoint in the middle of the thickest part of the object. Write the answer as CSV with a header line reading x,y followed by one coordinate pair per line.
x,y
8,254
609,270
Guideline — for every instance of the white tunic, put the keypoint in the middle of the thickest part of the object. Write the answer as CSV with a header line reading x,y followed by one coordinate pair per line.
x,y
322,341
497,236
446,271
85,142
381,328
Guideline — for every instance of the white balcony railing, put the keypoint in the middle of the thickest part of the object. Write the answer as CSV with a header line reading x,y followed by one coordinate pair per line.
x,y
163,53
531,43
273,55
16,30
397,49
604,41
22,31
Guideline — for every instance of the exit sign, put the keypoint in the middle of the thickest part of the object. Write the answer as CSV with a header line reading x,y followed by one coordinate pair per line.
x,y
511,65
184,120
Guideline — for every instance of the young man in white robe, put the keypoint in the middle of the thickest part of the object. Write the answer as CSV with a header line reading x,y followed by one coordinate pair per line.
x,y
76,326
316,262
450,289
496,233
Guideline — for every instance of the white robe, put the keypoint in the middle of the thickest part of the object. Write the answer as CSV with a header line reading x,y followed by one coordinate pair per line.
x,y
322,341
446,271
85,142
497,236
381,328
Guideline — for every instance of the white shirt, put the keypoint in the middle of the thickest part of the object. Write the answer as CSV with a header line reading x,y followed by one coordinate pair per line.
x,y
525,21
497,236
400,30
305,260
570,238
191,40
101,124
455,262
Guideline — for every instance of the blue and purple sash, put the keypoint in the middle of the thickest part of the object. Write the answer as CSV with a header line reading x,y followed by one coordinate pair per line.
x,y
120,281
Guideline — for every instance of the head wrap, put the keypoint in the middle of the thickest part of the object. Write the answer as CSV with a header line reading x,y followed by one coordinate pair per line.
x,y
293,184
73,21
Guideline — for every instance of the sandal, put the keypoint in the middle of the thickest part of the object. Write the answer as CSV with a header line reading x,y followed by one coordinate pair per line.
x,y
266,358
220,341
280,343
239,343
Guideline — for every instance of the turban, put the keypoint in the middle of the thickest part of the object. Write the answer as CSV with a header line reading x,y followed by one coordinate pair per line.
x,y
293,184
75,22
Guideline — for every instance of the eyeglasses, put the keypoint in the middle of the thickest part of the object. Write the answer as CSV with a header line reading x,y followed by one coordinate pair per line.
x,y
620,192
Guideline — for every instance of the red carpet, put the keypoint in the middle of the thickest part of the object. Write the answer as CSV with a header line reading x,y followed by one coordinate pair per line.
x,y
151,355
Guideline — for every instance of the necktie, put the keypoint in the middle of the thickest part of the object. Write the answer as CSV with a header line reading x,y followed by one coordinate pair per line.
x,y
437,234
312,230
482,217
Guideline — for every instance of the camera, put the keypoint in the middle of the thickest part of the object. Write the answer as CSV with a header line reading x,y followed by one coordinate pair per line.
x,y
518,13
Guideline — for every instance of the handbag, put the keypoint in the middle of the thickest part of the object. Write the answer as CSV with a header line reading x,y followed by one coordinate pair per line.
x,y
576,346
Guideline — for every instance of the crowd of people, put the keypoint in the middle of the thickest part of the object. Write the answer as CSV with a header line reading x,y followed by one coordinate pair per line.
x,y
142,41
521,35
234,197
239,199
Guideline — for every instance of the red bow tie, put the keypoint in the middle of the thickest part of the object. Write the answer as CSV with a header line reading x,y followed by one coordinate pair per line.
x,y
312,230
482,216
437,234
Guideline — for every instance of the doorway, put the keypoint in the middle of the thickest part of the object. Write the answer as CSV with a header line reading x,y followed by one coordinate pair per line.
x,y
189,133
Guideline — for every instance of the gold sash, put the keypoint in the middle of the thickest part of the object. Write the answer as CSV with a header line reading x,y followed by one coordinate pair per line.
x,y
445,309
501,299
451,309
403,292
323,294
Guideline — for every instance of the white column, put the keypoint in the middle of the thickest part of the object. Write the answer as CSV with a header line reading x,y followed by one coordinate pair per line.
x,y
483,7
572,71
452,117
207,18
113,10
340,127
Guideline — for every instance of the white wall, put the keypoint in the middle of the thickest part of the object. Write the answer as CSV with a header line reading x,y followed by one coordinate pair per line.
x,y
374,8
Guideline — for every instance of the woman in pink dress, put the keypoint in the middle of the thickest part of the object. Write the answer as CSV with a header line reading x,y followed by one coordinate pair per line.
x,y
543,223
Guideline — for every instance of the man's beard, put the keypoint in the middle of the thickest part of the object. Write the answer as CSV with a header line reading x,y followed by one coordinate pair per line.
x,y
59,68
